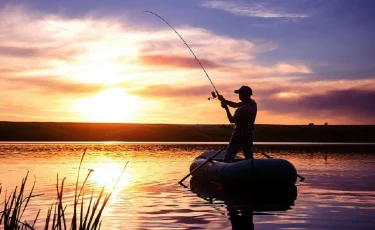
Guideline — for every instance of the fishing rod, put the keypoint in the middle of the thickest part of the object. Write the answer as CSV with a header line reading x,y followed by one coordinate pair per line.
x,y
213,93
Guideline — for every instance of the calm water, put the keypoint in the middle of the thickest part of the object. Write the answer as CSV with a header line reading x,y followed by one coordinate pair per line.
x,y
339,191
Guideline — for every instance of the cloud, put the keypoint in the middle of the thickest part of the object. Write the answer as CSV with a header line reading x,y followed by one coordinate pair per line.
x,y
281,69
34,113
258,10
104,50
48,85
205,44
71,58
278,103
354,105
290,68
175,61
170,92
17,51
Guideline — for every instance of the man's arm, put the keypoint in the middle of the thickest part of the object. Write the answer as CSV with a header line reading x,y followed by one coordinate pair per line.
x,y
229,115
233,104
229,103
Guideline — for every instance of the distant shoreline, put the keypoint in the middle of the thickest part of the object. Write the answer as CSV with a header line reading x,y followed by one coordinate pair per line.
x,y
99,132
308,144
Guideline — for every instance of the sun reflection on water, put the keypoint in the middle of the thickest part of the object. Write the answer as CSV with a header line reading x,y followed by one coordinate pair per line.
x,y
106,174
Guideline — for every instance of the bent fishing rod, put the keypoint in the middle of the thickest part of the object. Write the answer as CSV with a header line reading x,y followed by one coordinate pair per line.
x,y
213,93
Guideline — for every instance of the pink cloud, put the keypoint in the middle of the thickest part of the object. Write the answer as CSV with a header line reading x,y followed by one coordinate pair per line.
x,y
354,105
51,84
170,91
176,61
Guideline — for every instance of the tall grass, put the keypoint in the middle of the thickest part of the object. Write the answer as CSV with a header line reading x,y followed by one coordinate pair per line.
x,y
16,202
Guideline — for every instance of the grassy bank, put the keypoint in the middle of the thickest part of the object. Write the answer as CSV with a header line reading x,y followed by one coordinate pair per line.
x,y
51,131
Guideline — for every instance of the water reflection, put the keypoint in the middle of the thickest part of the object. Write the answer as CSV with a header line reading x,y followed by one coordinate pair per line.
x,y
148,196
242,204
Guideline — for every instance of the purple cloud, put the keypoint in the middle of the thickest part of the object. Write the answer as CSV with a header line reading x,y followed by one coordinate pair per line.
x,y
354,104
18,51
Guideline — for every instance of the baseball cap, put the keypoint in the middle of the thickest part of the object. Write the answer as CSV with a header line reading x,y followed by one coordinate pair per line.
x,y
244,89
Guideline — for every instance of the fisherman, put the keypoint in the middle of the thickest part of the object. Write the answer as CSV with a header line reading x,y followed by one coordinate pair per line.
x,y
243,118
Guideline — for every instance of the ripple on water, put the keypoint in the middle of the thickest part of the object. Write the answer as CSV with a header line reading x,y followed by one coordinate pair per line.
x,y
338,192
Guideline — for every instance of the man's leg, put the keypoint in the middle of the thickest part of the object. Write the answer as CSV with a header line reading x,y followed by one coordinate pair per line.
x,y
247,146
233,148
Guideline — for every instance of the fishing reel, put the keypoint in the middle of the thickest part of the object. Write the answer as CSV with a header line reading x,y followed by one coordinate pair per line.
x,y
213,95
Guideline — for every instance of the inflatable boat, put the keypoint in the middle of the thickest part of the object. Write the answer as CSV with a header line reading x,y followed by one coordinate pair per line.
x,y
244,172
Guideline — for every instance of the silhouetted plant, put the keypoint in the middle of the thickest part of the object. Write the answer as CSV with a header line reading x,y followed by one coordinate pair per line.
x,y
16,203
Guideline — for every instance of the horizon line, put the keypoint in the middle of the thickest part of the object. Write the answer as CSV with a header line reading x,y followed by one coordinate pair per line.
x,y
135,123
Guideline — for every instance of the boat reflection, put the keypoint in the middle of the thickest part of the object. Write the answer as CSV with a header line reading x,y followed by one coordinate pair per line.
x,y
243,204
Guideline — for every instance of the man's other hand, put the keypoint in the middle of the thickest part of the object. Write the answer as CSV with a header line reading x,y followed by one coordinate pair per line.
x,y
220,97
224,105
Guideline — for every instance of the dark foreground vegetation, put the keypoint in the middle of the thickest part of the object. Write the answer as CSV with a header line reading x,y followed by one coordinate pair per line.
x,y
85,216
51,131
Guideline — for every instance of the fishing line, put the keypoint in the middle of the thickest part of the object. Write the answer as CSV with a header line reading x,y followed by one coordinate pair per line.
x,y
196,58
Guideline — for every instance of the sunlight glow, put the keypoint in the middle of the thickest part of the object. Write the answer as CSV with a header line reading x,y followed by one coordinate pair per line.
x,y
287,95
110,105
106,175
107,74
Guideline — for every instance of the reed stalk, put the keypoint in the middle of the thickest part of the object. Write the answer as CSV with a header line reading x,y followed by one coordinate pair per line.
x,y
16,203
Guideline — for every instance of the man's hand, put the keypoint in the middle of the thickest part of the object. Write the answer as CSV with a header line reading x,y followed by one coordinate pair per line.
x,y
229,115
224,105
220,97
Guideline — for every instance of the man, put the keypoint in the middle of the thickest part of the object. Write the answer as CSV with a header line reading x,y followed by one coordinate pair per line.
x,y
244,119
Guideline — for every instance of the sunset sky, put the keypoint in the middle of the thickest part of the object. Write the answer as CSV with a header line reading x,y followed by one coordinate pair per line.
x,y
306,60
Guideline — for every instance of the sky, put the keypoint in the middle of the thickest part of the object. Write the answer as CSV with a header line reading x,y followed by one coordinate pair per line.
x,y
108,61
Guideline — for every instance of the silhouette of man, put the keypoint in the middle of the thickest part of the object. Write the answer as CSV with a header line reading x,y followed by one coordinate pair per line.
x,y
244,119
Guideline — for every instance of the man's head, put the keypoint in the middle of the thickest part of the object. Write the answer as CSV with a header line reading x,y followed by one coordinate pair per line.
x,y
244,93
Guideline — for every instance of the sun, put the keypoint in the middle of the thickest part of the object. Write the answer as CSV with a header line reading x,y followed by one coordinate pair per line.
x,y
110,105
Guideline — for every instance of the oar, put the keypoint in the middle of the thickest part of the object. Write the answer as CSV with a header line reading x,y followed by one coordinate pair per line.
x,y
301,177
200,166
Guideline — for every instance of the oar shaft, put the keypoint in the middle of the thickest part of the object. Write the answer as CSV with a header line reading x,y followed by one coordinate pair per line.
x,y
200,166
301,177
266,155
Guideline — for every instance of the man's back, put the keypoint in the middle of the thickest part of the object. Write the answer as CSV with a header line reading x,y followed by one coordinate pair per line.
x,y
245,115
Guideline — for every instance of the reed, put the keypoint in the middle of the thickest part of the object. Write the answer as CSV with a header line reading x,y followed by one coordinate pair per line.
x,y
16,202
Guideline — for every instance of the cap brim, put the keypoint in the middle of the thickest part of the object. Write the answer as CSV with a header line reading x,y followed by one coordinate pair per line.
x,y
237,91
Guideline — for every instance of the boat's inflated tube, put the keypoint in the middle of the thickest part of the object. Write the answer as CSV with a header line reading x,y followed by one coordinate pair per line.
x,y
277,171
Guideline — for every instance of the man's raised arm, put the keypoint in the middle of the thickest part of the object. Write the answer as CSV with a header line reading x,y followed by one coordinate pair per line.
x,y
229,115
229,103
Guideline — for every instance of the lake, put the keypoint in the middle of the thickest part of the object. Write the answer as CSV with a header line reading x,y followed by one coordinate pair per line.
x,y
338,193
